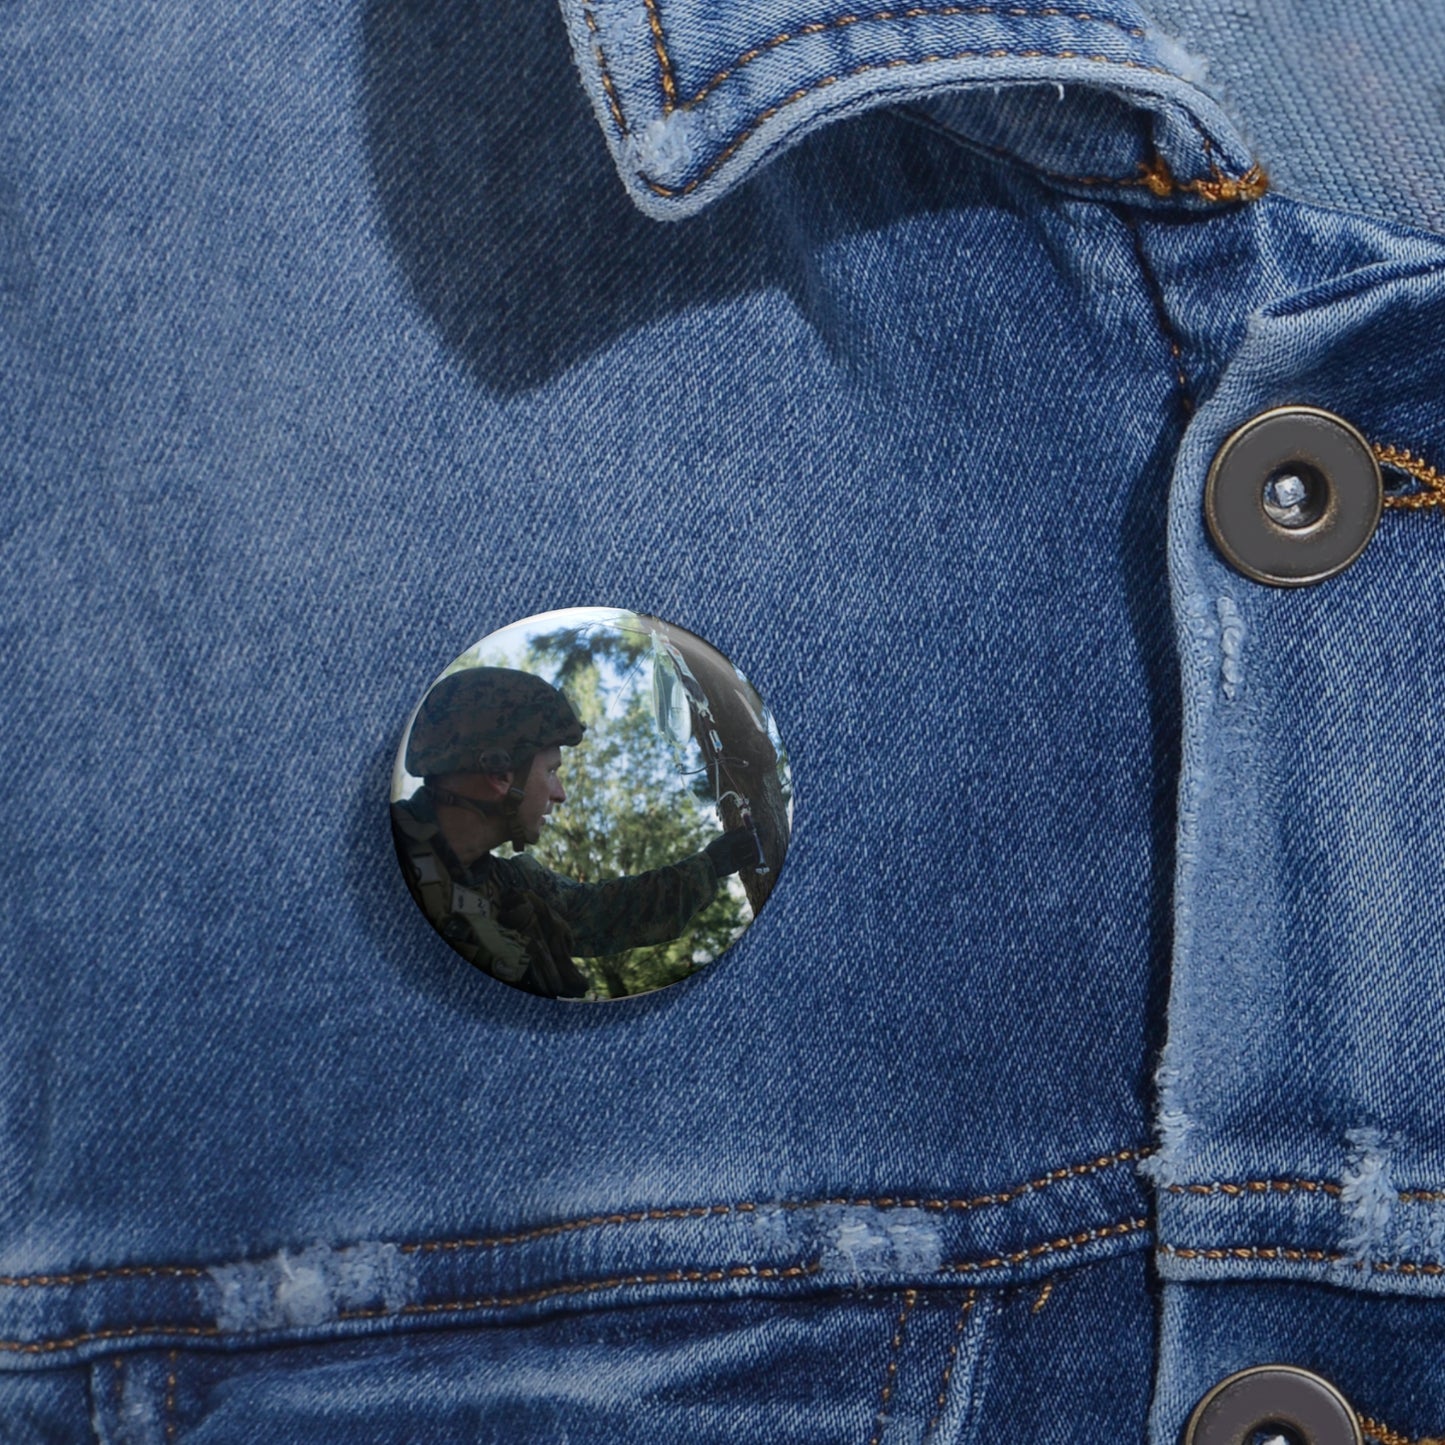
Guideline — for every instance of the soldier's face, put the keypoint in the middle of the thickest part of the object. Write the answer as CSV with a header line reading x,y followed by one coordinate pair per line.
x,y
542,790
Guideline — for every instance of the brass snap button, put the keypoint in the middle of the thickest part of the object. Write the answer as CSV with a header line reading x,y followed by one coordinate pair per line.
x,y
1279,1399
1293,496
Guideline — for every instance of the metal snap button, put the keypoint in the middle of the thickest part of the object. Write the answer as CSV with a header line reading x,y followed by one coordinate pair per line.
x,y
1281,1399
1293,496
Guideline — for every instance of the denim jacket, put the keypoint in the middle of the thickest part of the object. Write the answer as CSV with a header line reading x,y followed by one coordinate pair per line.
x,y
1090,1047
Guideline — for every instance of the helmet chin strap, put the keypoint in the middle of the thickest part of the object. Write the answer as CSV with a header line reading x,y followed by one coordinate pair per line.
x,y
508,809
449,799
513,807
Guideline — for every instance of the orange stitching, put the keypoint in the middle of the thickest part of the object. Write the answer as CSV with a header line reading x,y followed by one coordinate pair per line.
x,y
914,12
910,1298
1235,1190
1043,1298
30,1281
1219,188
942,1402
1073,1241
664,60
1387,1436
1000,1197
613,102
1407,1266
1258,1186
887,1201
671,1276
1253,1251
1156,176
636,1216
1252,184
129,1332
766,115
1296,1255
594,1286
1382,1433
170,1403
1432,496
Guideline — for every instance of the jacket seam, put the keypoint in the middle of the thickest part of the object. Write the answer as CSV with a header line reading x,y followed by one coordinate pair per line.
x,y
889,16
1297,1255
614,103
1161,312
995,1199
1153,175
890,1374
1235,1189
1051,1246
950,1362
169,1406
1218,188
570,1288
664,59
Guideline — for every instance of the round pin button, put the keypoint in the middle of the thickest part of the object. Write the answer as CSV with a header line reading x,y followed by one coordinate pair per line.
x,y
590,803
1293,496
1279,1399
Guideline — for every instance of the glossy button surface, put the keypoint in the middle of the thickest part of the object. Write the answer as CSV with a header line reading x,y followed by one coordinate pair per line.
x,y
1293,496
590,803
1273,1398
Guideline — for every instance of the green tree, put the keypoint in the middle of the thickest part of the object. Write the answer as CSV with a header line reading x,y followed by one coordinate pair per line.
x,y
634,801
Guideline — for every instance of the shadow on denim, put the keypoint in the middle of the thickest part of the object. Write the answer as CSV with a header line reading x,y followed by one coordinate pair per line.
x,y
506,214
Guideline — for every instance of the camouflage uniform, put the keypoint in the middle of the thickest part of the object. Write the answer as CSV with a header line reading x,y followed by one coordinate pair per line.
x,y
511,917
522,923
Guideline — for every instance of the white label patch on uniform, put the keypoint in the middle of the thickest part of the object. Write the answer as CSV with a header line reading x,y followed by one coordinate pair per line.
x,y
428,870
468,900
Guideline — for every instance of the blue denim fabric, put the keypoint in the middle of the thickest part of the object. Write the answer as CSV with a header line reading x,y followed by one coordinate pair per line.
x,y
1341,97
330,344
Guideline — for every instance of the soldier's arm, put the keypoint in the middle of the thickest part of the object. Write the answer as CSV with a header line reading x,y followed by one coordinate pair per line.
x,y
624,913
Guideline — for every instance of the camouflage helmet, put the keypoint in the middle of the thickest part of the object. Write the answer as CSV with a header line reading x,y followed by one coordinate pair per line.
x,y
488,720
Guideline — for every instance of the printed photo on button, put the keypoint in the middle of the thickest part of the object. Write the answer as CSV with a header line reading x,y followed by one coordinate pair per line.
x,y
590,804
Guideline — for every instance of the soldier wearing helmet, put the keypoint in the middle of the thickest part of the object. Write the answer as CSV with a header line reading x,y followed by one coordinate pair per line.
x,y
487,743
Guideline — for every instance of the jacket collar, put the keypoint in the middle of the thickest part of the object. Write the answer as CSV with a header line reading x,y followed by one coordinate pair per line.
x,y
695,95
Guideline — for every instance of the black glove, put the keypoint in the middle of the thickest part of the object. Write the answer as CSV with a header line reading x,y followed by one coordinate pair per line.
x,y
731,851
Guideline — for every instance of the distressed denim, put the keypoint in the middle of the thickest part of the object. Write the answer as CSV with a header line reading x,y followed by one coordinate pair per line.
x,y
1090,1047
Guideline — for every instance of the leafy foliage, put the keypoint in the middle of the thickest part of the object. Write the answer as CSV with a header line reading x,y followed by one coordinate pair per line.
x,y
634,802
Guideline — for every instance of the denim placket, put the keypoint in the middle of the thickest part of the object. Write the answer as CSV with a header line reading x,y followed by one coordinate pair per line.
x,y
1300,1124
